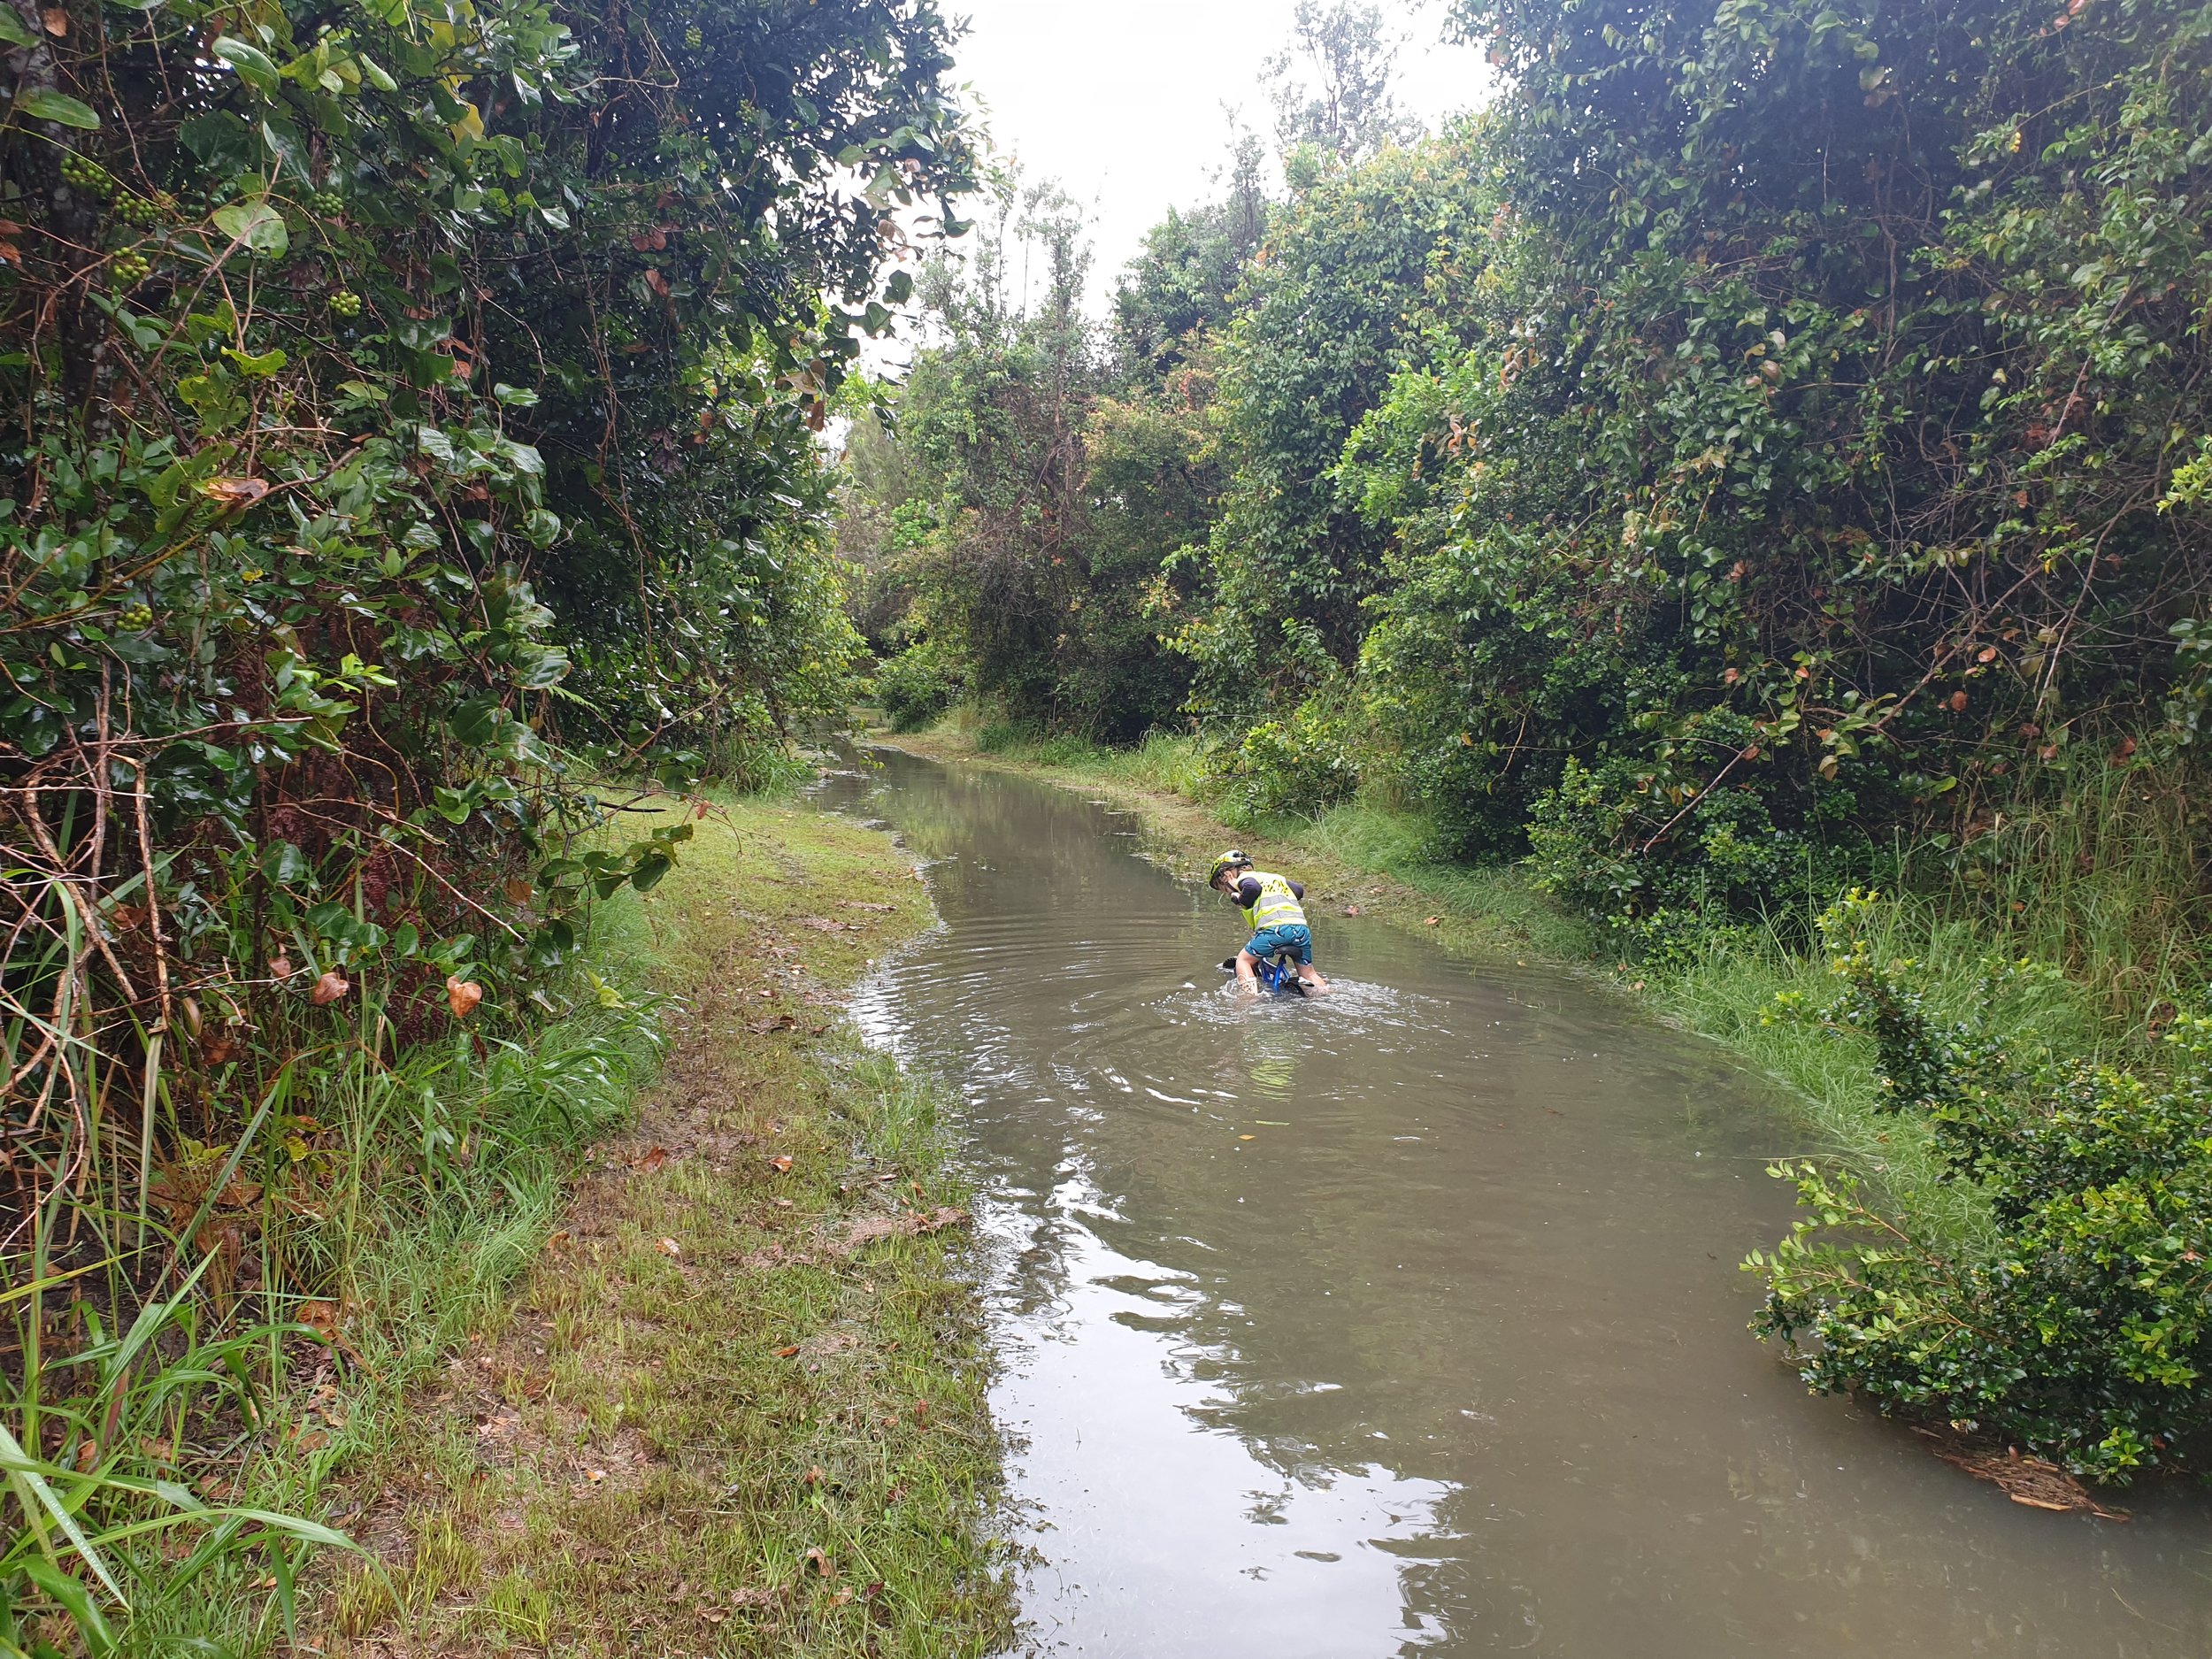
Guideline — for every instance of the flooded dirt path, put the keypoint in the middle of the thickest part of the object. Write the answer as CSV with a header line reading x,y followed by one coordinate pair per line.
x,y
1409,1321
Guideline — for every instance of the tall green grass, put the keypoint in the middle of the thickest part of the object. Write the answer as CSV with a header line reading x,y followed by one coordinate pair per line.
x,y
180,1389
2104,870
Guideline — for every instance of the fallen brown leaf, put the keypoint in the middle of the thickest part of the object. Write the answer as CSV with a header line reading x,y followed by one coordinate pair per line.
x,y
56,21
462,996
235,491
329,988
781,1163
651,1160
280,967
1433,921
787,1353
669,1247
821,1561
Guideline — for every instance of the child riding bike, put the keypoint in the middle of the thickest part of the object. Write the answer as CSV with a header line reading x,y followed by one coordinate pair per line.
x,y
1272,909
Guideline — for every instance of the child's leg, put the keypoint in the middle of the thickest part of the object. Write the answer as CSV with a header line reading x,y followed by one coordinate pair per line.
x,y
1308,974
1248,970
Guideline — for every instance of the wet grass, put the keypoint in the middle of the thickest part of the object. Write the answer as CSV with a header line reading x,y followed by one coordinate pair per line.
x,y
739,1406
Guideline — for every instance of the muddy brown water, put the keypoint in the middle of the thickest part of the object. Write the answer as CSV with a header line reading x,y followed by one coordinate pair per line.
x,y
1409,1321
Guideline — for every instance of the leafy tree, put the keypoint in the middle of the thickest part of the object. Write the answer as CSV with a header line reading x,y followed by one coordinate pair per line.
x,y
1183,285
401,397
992,420
1831,441
1327,323
1015,514
1347,111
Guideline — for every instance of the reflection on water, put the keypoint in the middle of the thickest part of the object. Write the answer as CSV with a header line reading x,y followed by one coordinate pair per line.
x,y
1407,1321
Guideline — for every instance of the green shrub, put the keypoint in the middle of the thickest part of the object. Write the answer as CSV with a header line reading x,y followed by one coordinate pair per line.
x,y
1305,765
1656,866
916,687
2086,1335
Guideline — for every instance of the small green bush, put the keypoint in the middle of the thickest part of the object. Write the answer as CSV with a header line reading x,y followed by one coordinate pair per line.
x,y
916,687
2086,1336
1303,765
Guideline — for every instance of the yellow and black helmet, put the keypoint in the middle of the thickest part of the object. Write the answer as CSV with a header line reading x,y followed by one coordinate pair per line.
x,y
1231,860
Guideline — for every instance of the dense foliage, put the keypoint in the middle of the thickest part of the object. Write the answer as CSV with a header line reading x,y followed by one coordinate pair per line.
x,y
2087,1334
1020,522
1826,465
404,401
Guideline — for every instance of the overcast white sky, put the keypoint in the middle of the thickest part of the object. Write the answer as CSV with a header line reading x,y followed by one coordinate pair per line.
x,y
1121,100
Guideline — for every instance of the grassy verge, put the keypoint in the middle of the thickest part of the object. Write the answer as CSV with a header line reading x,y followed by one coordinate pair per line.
x,y
1369,856
199,1438
738,1405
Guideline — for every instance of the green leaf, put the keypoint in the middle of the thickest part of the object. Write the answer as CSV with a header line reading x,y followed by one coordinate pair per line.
x,y
255,66
285,863
477,720
11,29
42,104
76,1600
39,1502
257,225
258,367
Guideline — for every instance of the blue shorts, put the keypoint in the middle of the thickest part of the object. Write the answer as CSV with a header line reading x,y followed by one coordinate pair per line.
x,y
1296,939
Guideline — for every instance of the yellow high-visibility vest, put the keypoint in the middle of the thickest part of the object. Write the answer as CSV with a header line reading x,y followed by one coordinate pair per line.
x,y
1277,906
